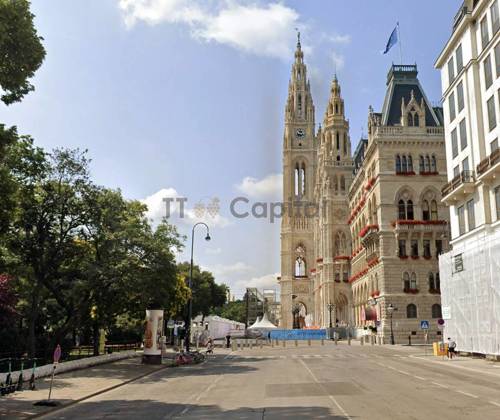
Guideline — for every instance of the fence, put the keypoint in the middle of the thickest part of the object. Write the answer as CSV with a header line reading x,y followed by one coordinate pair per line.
x,y
298,334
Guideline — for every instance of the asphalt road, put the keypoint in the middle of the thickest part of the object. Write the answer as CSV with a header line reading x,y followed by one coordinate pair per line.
x,y
340,382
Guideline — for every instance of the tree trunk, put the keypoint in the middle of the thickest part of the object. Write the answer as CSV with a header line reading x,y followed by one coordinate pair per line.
x,y
96,337
32,318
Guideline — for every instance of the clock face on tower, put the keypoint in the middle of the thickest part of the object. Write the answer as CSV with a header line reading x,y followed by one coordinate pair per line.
x,y
300,132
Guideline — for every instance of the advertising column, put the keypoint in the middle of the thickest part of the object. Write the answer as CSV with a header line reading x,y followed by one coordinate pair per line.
x,y
153,336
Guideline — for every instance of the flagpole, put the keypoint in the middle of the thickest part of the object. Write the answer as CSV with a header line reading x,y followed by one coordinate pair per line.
x,y
400,45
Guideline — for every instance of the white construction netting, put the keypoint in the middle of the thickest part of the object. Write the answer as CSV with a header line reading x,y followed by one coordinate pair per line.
x,y
471,297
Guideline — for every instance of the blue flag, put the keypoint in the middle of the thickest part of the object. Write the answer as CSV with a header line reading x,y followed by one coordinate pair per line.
x,y
393,39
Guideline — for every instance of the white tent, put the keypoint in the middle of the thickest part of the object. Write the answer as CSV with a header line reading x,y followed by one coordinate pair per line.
x,y
262,324
255,324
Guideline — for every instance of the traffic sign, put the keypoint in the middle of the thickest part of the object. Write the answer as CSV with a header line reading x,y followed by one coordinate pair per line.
x,y
440,323
424,325
57,354
446,312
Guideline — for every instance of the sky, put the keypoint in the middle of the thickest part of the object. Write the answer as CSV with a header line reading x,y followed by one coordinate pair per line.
x,y
185,98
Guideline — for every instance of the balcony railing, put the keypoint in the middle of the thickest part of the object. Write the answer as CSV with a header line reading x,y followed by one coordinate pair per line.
x,y
488,162
464,177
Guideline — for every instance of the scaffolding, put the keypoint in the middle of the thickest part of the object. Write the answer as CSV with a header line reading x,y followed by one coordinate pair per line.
x,y
470,294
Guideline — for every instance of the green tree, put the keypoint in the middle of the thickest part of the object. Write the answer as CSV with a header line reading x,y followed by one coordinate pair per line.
x,y
21,50
207,294
235,310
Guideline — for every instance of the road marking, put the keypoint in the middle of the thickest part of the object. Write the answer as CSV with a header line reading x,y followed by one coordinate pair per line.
x,y
200,395
450,363
441,385
494,403
466,393
332,398
419,377
403,372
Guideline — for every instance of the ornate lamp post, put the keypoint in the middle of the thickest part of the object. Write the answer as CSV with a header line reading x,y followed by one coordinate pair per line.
x,y
190,284
331,307
391,310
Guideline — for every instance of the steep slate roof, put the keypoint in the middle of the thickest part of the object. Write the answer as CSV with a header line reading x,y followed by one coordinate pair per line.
x,y
401,81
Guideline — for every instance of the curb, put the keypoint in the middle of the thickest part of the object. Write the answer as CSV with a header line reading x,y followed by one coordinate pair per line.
x,y
101,391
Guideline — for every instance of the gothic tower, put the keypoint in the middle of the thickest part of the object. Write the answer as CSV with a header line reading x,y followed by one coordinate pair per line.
x,y
299,170
332,235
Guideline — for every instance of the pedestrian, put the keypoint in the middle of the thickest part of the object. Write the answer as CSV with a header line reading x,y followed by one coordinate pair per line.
x,y
451,348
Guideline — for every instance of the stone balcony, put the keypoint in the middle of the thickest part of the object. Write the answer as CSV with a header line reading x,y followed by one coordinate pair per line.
x,y
301,285
489,168
459,187
418,226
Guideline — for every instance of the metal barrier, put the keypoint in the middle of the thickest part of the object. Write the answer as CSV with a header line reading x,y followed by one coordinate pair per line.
x,y
298,334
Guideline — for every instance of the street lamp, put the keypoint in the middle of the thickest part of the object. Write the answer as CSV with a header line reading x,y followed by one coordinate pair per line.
x,y
190,283
391,310
331,307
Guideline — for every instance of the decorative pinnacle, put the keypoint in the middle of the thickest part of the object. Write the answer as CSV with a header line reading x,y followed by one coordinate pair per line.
x,y
298,37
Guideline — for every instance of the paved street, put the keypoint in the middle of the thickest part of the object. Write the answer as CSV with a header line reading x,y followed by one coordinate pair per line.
x,y
357,382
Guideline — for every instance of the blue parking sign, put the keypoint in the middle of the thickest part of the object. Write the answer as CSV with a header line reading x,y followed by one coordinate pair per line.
x,y
424,325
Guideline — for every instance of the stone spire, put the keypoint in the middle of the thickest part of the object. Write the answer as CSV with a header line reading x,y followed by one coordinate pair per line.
x,y
300,106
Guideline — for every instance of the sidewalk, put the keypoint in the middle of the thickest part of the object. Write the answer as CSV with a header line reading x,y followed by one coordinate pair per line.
x,y
73,386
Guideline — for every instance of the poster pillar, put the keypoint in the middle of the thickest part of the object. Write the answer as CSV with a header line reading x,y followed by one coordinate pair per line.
x,y
153,333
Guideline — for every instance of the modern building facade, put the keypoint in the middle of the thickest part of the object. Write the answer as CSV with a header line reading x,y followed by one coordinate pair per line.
x,y
470,70
377,222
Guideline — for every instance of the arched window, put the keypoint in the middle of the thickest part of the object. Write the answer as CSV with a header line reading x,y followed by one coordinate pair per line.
x,y
342,183
438,282
426,214
401,210
427,164
411,311
406,281
299,102
300,267
433,164
335,184
436,311
336,108
398,164
303,177
410,164
434,210
296,180
416,120
409,210
413,281
421,164
410,120
404,164
345,143
432,285
338,140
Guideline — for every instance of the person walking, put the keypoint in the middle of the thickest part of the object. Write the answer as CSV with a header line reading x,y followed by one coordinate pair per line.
x,y
451,348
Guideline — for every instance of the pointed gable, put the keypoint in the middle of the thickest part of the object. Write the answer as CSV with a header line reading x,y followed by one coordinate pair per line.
x,y
403,87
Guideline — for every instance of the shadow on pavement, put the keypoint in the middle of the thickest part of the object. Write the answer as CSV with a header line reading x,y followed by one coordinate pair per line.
x,y
136,409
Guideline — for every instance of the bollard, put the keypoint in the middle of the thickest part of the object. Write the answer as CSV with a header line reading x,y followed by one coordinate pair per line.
x,y
250,344
362,340
409,340
382,341
261,344
379,341
272,343
336,340
240,345
233,345
349,340
372,340
322,342
296,343
309,342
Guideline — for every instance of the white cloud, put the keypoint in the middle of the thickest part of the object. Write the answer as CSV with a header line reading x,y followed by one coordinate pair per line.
x,y
269,187
225,271
267,281
263,30
338,61
337,39
157,210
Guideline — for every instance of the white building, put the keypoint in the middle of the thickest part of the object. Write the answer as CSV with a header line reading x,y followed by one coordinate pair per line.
x,y
470,273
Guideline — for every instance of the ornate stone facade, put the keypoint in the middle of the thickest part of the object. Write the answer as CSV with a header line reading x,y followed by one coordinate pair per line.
x,y
377,222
